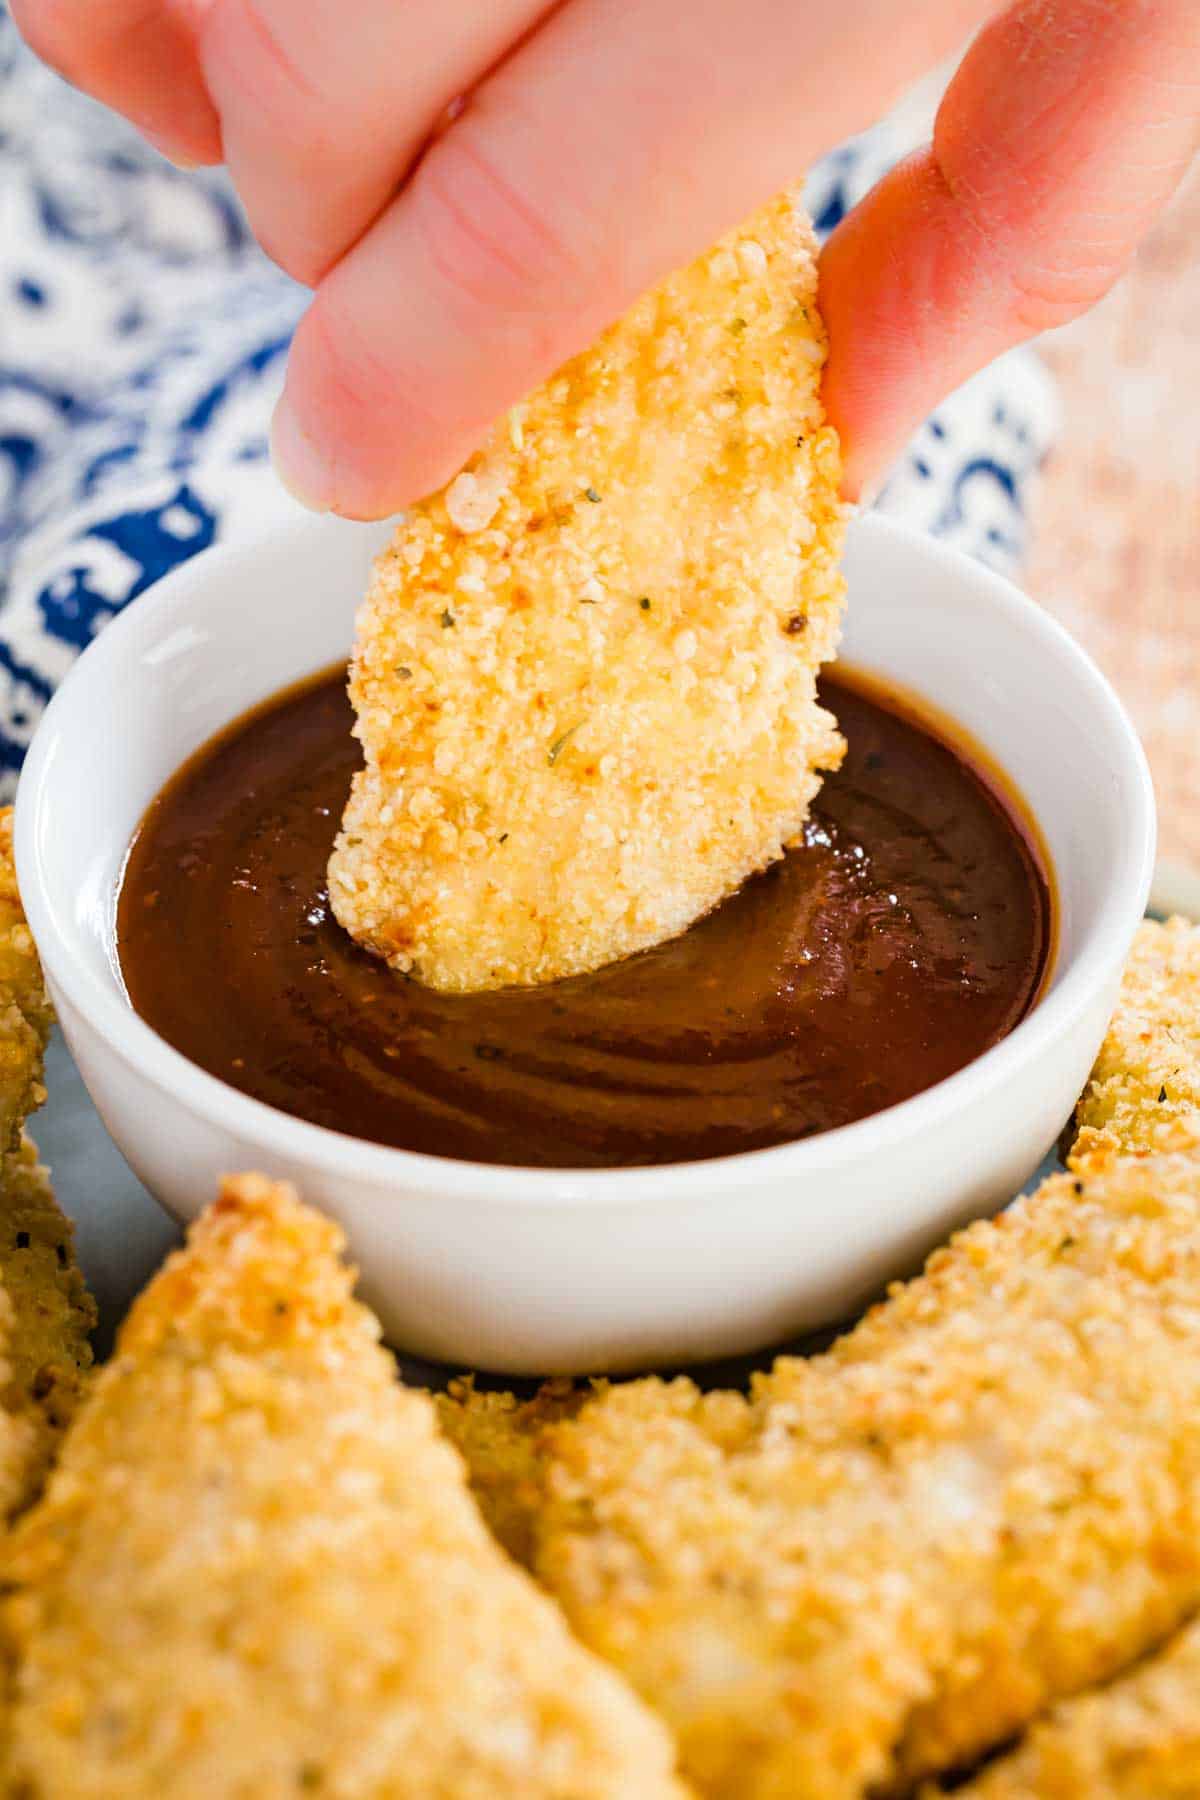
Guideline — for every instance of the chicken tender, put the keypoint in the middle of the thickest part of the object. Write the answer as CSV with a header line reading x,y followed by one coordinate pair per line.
x,y
1144,1094
1138,1739
585,674
46,1313
890,1558
25,1013
499,1438
47,1317
257,1571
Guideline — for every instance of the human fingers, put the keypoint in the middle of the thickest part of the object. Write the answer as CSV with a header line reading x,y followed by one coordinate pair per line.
x,y
325,103
610,148
1064,132
139,57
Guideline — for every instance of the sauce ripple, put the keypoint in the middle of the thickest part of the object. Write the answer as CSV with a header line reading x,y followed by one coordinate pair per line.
x,y
908,934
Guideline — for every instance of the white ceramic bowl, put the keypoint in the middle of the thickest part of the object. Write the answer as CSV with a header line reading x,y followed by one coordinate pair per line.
x,y
530,1270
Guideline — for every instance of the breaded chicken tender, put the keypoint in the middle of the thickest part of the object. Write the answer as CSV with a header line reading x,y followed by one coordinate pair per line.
x,y
46,1313
46,1321
257,1571
1144,1094
499,1438
890,1558
1138,1739
25,1013
585,674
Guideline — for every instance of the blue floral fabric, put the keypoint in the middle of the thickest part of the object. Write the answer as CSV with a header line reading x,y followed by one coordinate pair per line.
x,y
142,342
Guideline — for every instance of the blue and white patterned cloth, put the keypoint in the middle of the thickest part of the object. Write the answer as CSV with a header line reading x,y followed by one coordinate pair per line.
x,y
142,341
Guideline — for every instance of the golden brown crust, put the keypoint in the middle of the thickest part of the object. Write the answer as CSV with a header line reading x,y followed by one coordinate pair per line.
x,y
982,1498
500,1439
890,1558
1138,1739
25,1012
23,1452
1144,1094
50,1315
46,1314
256,1570
585,673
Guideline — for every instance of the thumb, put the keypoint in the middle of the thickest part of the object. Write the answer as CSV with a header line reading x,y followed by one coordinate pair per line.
x,y
1063,134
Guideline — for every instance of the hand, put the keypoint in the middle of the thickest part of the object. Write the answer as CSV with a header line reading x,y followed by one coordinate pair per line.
x,y
475,188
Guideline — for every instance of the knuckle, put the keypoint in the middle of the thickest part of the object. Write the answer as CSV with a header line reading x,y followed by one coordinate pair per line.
x,y
1041,278
245,55
1039,285
494,245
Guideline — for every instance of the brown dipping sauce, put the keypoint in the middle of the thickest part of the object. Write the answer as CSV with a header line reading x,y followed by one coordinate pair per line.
x,y
909,933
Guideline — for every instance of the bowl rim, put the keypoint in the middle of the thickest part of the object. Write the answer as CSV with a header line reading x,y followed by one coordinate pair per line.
x,y
103,1003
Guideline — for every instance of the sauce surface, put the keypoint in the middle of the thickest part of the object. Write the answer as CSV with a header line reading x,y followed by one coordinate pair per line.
x,y
908,934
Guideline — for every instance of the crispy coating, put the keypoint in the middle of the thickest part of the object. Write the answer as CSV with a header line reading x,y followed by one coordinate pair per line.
x,y
1138,1739
585,673
25,1014
499,1438
888,1559
46,1313
1144,1094
257,1572
45,1326
22,1452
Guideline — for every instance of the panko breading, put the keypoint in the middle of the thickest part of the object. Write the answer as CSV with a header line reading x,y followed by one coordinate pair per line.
x,y
46,1313
585,674
45,1327
1138,1739
257,1571
1144,1094
25,1014
890,1558
499,1438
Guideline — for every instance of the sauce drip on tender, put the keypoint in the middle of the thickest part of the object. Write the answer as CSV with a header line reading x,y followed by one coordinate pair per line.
x,y
906,936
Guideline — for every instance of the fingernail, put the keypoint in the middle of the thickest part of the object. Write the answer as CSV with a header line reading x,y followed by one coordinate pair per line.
x,y
300,466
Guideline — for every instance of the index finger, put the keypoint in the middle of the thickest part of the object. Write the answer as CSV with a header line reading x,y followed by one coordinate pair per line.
x,y
609,149
137,56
